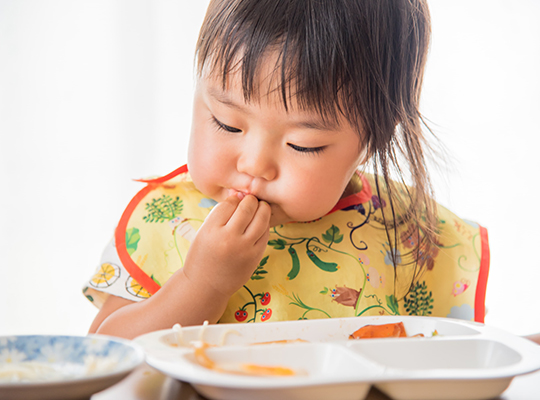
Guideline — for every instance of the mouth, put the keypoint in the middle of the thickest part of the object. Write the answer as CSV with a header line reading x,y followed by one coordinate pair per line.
x,y
232,192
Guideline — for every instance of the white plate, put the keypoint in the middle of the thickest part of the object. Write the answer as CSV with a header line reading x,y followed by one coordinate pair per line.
x,y
63,367
465,361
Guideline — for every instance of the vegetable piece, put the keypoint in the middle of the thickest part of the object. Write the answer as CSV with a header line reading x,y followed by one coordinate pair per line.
x,y
263,370
380,331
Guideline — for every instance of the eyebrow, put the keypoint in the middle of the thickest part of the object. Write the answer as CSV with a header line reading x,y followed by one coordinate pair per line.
x,y
313,124
223,98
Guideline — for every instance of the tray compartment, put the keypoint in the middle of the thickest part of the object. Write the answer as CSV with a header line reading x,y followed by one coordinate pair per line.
x,y
311,361
324,371
429,354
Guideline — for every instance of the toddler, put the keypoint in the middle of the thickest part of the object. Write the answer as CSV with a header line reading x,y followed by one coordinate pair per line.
x,y
275,216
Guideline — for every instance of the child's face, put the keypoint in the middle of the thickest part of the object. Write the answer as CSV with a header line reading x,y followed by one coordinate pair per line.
x,y
292,160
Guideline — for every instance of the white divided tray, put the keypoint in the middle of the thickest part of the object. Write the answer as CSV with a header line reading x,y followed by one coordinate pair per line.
x,y
465,360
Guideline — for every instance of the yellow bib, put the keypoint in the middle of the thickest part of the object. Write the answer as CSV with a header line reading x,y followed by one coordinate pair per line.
x,y
337,266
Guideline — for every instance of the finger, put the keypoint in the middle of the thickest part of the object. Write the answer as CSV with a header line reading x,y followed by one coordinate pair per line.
x,y
260,222
243,214
222,212
263,240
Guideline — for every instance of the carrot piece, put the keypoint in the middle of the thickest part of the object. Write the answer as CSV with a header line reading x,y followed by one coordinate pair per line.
x,y
380,331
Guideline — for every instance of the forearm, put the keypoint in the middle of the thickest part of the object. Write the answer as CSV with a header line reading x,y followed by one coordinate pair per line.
x,y
178,301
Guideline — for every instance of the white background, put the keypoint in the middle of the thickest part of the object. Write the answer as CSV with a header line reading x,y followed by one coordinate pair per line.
x,y
95,93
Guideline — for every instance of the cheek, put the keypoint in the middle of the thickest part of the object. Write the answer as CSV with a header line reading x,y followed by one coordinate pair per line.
x,y
313,193
209,160
311,196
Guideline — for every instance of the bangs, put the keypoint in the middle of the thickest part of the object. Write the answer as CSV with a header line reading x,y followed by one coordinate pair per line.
x,y
310,66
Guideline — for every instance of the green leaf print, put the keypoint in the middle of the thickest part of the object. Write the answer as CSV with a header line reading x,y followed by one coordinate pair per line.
x,y
163,209
419,301
392,304
260,270
325,291
132,240
263,261
332,235
278,244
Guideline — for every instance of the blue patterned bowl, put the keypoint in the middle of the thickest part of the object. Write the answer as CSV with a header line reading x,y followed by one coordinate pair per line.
x,y
63,367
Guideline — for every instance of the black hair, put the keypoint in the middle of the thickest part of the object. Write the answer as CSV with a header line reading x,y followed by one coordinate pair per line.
x,y
363,59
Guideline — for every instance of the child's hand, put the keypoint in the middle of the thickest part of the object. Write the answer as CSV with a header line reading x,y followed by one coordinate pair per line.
x,y
229,244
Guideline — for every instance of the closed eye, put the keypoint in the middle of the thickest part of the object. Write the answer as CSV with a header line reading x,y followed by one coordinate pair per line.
x,y
313,150
224,127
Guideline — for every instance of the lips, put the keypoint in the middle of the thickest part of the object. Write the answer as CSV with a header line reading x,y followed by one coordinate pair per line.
x,y
232,192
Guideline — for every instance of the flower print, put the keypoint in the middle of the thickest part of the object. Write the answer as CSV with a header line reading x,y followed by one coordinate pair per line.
x,y
57,352
388,258
377,202
358,207
464,311
11,356
460,286
94,365
409,237
96,345
374,278
364,260
411,240
427,258
382,280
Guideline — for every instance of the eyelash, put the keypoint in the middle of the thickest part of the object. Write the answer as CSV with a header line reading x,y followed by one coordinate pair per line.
x,y
224,127
308,150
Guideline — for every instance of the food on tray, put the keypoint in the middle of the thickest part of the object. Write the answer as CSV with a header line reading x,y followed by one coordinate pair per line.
x,y
201,357
382,331
284,341
243,369
254,369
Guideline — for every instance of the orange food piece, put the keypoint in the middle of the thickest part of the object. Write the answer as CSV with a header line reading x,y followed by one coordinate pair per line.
x,y
254,369
283,341
380,331
202,358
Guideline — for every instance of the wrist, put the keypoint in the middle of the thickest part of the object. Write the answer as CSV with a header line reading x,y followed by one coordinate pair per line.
x,y
189,301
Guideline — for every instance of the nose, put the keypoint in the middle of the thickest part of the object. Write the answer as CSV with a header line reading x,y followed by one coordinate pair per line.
x,y
257,160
